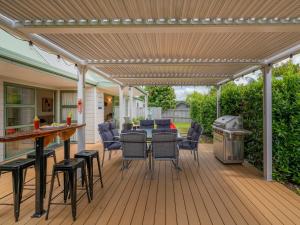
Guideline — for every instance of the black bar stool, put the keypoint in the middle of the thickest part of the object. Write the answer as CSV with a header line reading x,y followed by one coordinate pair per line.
x,y
17,167
48,153
69,167
89,155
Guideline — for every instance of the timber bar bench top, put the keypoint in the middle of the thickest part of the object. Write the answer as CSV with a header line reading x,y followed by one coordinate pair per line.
x,y
38,133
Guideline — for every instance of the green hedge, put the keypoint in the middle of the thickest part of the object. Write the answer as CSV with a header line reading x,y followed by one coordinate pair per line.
x,y
247,101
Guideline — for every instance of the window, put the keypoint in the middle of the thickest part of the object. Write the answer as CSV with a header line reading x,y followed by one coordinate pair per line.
x,y
69,105
20,108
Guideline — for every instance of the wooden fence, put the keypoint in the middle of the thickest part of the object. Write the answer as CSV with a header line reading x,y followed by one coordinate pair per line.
x,y
177,115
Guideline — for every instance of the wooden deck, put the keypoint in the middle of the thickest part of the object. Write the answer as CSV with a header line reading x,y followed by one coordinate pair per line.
x,y
210,194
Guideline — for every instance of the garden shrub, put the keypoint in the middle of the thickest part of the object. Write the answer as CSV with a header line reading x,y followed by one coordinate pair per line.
x,y
247,101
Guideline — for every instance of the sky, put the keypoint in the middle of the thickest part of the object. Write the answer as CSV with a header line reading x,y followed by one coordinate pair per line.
x,y
182,92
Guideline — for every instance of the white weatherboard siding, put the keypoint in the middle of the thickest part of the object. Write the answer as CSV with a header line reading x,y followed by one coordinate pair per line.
x,y
94,113
1,119
99,113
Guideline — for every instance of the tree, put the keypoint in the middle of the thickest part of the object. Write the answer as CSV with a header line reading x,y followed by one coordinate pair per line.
x,y
161,96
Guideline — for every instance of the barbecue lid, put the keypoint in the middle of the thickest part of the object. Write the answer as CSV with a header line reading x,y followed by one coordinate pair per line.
x,y
229,122
221,121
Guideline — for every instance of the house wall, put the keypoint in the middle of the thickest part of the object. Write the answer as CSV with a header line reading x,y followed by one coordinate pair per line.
x,y
94,109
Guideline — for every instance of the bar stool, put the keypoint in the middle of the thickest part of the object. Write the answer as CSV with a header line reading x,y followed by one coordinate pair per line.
x,y
16,167
89,155
69,167
46,154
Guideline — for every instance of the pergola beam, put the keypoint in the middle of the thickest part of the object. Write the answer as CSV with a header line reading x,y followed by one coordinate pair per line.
x,y
170,76
117,25
162,62
190,83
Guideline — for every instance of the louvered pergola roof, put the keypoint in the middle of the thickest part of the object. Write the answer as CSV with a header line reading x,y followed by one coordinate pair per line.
x,y
155,42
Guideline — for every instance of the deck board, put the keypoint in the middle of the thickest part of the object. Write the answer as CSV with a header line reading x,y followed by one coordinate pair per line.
x,y
212,193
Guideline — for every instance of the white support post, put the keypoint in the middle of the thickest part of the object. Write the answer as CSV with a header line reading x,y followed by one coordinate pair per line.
x,y
218,101
267,122
131,103
146,106
121,107
81,70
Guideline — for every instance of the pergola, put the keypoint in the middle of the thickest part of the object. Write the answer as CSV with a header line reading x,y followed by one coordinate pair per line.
x,y
170,42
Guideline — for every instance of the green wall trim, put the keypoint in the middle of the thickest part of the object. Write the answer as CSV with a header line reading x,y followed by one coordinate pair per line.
x,y
29,62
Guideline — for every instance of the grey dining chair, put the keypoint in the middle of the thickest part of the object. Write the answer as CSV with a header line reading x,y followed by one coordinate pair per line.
x,y
134,147
109,142
146,124
164,147
191,142
163,123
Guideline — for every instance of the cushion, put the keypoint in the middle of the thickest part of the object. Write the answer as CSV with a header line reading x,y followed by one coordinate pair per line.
x,y
102,127
114,130
114,145
146,123
190,132
164,123
185,144
105,133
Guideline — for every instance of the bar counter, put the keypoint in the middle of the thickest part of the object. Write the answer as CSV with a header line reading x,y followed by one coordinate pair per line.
x,y
43,137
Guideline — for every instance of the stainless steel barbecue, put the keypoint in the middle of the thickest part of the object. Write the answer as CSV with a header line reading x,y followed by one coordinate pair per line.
x,y
229,139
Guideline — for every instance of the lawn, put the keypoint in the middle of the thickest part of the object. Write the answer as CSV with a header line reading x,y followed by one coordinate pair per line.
x,y
182,127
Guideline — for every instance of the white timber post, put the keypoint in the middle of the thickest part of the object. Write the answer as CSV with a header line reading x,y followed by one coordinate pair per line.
x,y
267,122
146,106
218,101
131,103
81,70
121,106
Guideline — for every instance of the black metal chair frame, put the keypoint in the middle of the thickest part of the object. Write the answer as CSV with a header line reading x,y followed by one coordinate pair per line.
x,y
89,159
18,187
71,176
47,175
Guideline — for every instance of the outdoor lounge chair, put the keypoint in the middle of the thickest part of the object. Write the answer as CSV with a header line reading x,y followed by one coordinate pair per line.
x,y
108,141
146,124
134,147
191,143
164,147
163,123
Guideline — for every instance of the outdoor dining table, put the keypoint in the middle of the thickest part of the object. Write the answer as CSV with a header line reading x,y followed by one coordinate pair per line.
x,y
42,138
149,135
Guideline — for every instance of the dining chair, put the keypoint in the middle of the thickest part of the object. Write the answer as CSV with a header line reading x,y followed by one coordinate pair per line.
x,y
146,124
134,147
163,123
164,147
191,142
108,141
